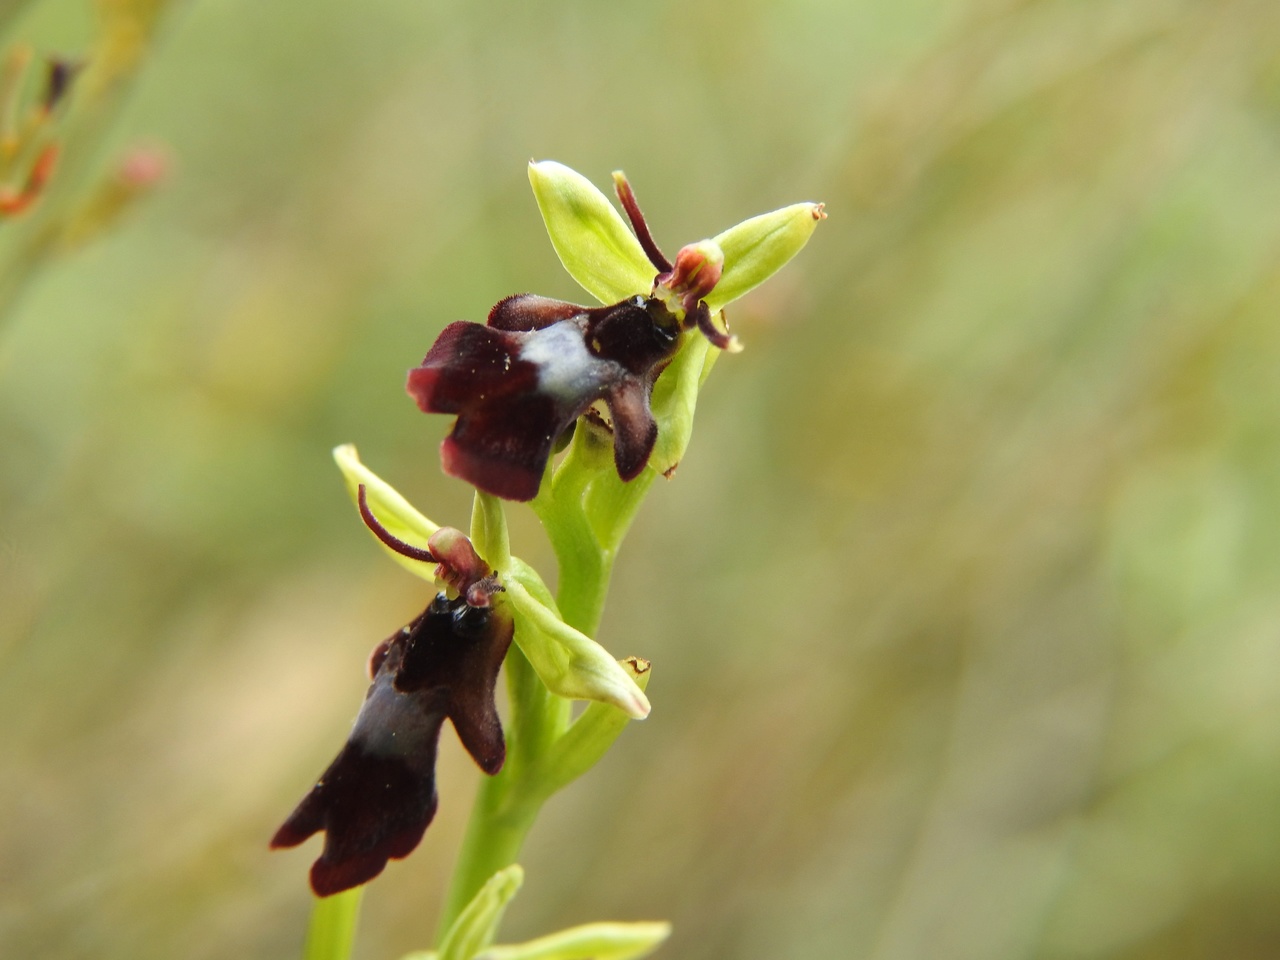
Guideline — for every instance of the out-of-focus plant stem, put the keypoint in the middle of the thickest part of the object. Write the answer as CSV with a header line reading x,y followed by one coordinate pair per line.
x,y
10,10
127,35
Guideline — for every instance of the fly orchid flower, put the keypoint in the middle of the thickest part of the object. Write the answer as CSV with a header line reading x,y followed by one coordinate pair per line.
x,y
377,798
520,382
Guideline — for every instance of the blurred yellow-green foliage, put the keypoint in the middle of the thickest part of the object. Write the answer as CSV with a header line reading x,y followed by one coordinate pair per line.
x,y
964,607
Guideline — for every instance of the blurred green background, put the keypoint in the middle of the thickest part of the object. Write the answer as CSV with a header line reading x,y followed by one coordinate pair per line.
x,y
964,607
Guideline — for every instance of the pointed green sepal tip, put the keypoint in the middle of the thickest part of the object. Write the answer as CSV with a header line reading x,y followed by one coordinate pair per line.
x,y
570,663
589,235
756,249
591,941
476,925
392,510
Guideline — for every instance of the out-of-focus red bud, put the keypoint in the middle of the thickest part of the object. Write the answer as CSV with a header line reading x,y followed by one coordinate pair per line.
x,y
13,202
143,167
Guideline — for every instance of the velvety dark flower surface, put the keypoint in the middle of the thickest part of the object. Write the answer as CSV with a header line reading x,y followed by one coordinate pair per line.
x,y
377,797
521,381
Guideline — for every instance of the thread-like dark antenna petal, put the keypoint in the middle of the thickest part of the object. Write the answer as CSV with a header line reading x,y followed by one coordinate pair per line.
x,y
627,197
701,316
386,536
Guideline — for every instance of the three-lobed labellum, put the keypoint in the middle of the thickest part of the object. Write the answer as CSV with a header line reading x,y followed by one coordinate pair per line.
x,y
520,382
377,797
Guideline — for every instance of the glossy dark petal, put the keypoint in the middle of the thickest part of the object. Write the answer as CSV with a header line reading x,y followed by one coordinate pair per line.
x,y
377,798
457,650
519,384
701,316
528,311
504,448
637,334
627,197
471,364
634,429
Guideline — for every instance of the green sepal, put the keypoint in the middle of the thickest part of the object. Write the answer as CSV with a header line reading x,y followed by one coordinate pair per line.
x,y
570,663
392,510
675,398
476,925
591,941
589,235
756,249
587,740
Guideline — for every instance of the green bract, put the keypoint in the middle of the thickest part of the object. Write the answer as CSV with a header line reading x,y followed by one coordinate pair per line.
x,y
570,663
588,738
675,398
470,935
591,941
475,927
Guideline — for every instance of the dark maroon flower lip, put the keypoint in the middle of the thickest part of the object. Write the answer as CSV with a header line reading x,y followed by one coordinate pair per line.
x,y
377,797
519,382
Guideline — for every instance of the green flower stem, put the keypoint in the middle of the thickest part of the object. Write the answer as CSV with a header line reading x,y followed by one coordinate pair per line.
x,y
507,804
500,820
583,556
538,717
333,926
612,505
585,567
